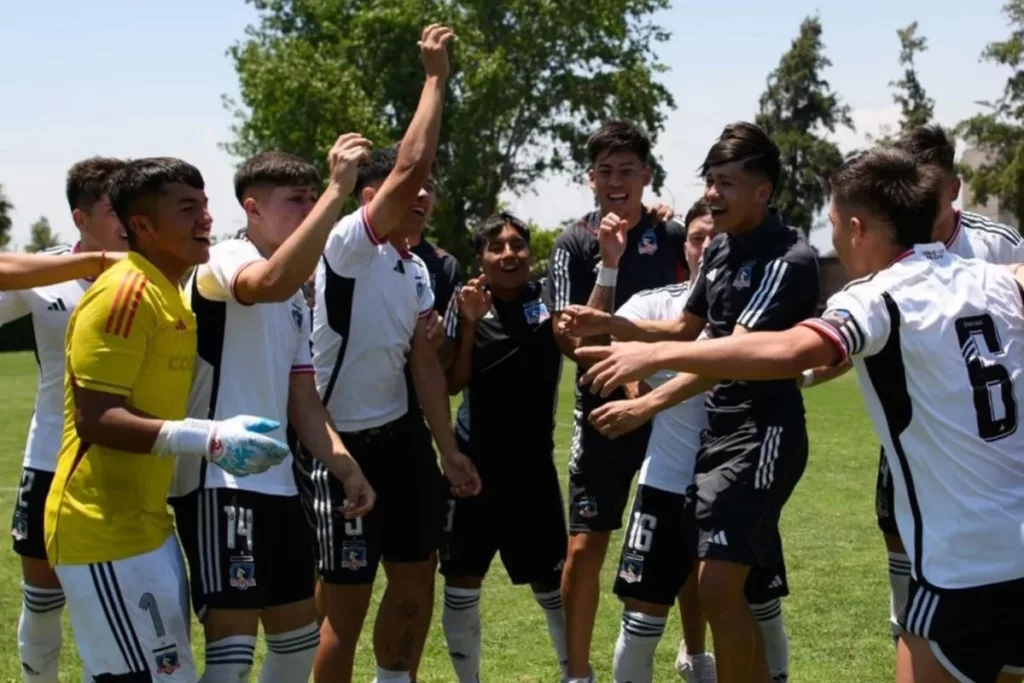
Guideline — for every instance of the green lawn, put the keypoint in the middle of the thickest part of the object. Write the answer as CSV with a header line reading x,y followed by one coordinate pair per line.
x,y
837,615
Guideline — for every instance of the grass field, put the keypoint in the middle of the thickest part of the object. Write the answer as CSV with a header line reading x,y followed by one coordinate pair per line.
x,y
836,615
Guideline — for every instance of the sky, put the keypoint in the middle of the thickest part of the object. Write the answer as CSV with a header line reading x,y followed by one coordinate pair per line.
x,y
132,79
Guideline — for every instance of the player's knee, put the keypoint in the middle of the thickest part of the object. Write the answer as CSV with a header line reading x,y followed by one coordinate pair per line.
x,y
587,550
226,623
412,579
720,587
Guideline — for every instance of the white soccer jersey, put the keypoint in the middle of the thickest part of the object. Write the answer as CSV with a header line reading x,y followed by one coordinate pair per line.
x,y
937,343
369,297
50,308
978,237
675,432
246,356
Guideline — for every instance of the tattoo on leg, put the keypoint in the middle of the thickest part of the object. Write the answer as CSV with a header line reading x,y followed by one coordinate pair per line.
x,y
403,646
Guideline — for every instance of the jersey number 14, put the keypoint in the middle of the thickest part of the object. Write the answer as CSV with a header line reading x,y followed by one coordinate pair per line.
x,y
988,380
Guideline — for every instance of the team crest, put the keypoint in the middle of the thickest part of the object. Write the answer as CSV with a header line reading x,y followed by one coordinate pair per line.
x,y
19,527
353,555
242,572
536,312
648,243
420,286
837,317
631,570
744,276
587,508
167,661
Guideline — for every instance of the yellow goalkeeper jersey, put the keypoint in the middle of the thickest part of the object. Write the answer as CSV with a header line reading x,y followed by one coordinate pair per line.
x,y
132,334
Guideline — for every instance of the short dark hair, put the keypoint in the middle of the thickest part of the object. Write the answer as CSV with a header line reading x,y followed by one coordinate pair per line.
x,y
930,145
89,179
890,184
493,226
699,209
274,169
619,136
382,162
142,179
748,143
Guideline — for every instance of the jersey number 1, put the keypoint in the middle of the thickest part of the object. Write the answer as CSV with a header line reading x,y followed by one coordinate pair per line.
x,y
987,379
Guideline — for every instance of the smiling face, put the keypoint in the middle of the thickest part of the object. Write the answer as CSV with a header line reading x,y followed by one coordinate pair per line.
x,y
100,226
618,179
737,197
505,259
275,212
175,227
419,213
698,235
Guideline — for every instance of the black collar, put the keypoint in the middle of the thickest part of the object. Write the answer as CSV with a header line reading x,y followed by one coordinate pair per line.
x,y
766,234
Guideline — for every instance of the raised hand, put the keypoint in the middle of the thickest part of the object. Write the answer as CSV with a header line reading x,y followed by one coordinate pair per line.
x,y
661,213
611,236
583,321
433,45
474,299
344,158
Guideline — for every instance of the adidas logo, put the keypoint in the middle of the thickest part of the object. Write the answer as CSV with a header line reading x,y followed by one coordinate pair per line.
x,y
776,582
57,305
718,539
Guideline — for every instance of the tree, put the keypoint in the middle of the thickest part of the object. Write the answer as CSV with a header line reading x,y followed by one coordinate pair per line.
x,y
916,108
999,132
5,219
530,81
42,236
797,106
542,242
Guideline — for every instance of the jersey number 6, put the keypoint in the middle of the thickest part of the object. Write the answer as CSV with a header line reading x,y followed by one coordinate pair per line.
x,y
988,380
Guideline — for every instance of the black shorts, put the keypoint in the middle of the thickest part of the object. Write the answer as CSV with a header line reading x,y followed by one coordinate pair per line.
x,y
406,522
657,553
245,550
601,473
744,475
29,513
518,514
974,632
885,495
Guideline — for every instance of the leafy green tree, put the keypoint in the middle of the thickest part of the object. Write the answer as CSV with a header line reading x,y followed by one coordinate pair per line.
x,y
999,131
916,108
530,81
542,242
797,107
5,219
42,236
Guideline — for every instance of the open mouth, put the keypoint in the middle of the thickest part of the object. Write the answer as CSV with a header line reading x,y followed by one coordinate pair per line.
x,y
123,234
717,210
419,211
618,198
203,239
510,267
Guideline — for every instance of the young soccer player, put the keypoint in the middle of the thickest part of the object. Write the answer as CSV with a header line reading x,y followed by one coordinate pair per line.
x,y
911,317
757,275
247,540
372,295
509,365
47,287
131,349
603,268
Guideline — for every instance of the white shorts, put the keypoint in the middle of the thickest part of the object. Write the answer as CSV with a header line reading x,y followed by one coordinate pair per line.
x,y
130,617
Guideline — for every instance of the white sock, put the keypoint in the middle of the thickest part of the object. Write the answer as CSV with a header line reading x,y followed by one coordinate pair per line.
x,y
588,679
290,655
899,584
229,660
461,622
551,603
39,633
776,642
634,650
385,676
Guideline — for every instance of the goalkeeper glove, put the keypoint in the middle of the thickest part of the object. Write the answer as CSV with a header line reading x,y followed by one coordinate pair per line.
x,y
236,445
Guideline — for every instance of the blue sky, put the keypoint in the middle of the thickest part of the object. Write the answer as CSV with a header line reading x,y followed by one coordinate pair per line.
x,y
132,79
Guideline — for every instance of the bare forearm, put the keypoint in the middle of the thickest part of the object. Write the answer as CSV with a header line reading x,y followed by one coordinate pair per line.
x,y
284,273
428,380
312,424
624,329
752,356
602,299
118,429
24,271
825,374
678,389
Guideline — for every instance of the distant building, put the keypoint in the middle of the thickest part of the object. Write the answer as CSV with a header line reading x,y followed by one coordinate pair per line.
x,y
990,209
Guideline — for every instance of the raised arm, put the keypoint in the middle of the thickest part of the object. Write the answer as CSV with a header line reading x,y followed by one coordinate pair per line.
x,y
283,273
25,271
467,307
390,206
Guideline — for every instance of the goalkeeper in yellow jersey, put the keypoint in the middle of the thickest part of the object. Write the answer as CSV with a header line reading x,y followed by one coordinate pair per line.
x,y
130,348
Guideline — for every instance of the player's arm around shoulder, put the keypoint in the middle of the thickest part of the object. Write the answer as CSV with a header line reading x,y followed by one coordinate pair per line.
x,y
25,271
312,424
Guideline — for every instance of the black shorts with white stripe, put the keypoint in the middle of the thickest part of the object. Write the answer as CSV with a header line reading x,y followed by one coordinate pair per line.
x,y
974,632
29,512
245,550
406,523
885,496
746,470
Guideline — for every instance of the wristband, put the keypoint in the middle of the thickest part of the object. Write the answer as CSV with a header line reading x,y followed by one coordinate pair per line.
x,y
606,277
183,437
808,376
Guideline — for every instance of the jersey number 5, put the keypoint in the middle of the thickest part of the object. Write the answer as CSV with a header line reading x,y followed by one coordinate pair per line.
x,y
990,382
